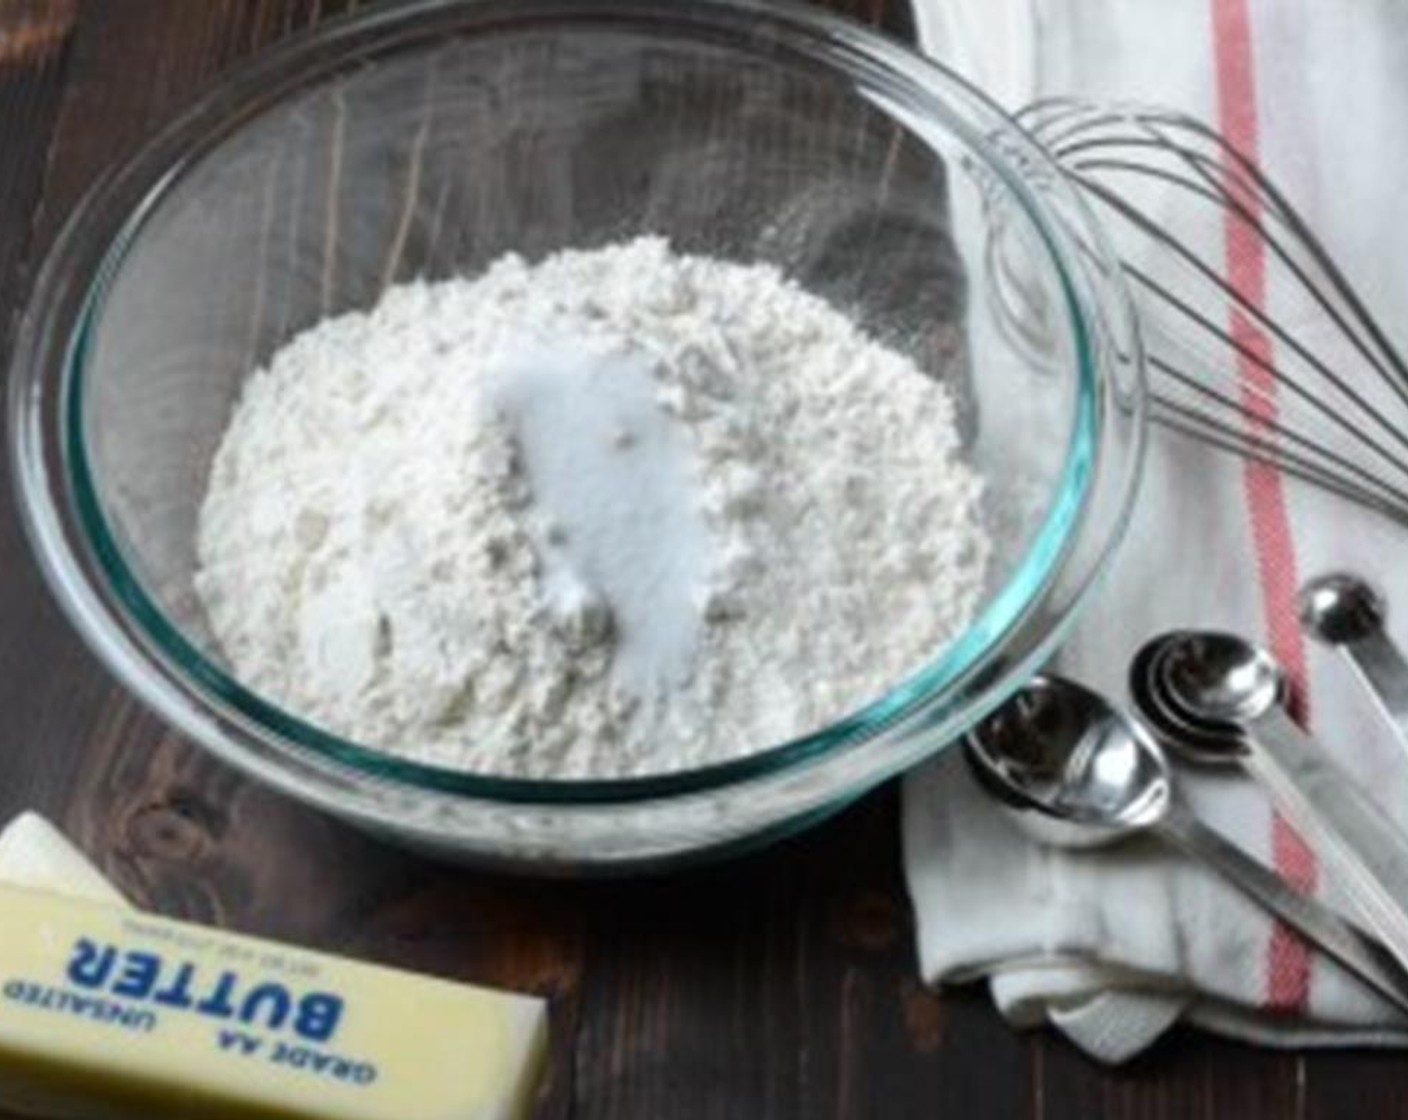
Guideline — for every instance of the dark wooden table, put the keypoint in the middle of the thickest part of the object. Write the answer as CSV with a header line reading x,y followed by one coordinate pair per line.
x,y
781,985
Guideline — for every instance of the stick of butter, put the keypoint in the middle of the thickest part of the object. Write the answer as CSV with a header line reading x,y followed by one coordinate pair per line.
x,y
33,853
107,1013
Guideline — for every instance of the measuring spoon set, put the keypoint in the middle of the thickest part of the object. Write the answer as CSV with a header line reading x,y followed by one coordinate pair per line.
x,y
1076,772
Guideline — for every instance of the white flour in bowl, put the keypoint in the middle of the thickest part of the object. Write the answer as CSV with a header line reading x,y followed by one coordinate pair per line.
x,y
621,511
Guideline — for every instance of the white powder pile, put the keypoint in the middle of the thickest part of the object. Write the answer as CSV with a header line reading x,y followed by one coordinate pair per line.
x,y
621,511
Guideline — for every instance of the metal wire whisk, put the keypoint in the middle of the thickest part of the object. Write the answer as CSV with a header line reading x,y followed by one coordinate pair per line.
x,y
1313,387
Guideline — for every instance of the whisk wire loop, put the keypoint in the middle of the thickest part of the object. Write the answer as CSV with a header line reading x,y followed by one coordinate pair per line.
x,y
1322,396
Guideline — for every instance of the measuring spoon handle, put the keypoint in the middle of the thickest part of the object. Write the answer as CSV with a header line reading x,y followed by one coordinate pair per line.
x,y
1383,671
1354,949
1348,829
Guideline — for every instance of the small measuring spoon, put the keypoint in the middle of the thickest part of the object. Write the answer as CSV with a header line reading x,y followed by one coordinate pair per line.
x,y
1075,772
1187,741
1221,684
1346,612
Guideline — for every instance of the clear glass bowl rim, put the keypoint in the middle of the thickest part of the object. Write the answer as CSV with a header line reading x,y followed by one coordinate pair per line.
x,y
108,225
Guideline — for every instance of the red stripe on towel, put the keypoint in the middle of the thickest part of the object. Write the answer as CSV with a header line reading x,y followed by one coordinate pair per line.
x,y
1288,972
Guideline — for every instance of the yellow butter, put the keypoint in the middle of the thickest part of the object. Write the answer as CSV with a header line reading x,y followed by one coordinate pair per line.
x,y
109,1013
33,853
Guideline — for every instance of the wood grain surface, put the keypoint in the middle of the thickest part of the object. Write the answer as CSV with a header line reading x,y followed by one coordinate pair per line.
x,y
779,985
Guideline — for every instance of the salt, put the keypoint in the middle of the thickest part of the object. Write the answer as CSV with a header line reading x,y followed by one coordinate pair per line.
x,y
615,486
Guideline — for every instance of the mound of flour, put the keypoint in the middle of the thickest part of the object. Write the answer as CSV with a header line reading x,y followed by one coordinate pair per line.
x,y
620,511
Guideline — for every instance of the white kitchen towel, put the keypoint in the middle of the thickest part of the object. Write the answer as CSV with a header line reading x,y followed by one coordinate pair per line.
x,y
1112,947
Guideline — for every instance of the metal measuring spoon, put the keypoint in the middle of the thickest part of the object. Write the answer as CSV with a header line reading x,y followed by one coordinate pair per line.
x,y
1075,772
1176,735
1346,612
1221,683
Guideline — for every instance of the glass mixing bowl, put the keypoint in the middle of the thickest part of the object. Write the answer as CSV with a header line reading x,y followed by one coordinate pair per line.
x,y
424,139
